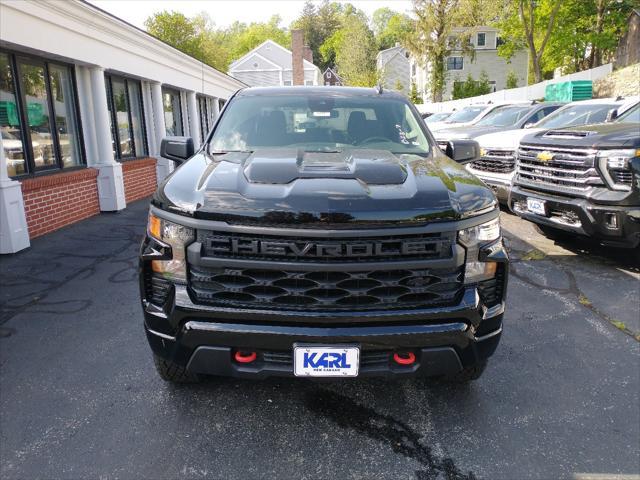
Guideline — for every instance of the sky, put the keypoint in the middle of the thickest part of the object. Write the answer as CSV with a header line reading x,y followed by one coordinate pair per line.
x,y
225,12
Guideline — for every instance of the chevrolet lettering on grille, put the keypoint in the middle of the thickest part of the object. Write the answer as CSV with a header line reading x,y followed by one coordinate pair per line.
x,y
252,247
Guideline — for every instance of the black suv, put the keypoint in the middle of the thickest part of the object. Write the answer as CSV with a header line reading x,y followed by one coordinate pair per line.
x,y
584,180
321,232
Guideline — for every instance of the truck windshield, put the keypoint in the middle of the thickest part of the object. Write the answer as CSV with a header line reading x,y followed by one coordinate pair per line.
x,y
437,117
503,116
465,115
318,123
631,116
576,115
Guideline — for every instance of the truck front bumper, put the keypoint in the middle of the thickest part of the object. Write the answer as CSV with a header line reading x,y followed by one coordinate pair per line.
x,y
443,340
500,183
609,224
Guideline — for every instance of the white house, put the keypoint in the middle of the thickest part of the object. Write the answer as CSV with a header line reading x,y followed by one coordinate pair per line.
x,y
271,65
85,100
484,57
394,68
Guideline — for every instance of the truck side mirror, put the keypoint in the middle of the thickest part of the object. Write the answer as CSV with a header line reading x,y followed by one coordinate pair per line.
x,y
178,149
612,115
463,151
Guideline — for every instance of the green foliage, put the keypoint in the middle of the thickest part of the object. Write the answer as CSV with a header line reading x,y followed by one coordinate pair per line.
x,y
318,25
390,27
573,34
398,86
512,79
355,50
414,96
471,87
216,47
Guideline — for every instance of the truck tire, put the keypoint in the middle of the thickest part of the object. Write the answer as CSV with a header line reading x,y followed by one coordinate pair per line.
x,y
171,372
467,374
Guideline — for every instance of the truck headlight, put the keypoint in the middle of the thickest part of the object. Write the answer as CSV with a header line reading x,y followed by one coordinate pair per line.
x,y
615,167
483,233
178,237
473,238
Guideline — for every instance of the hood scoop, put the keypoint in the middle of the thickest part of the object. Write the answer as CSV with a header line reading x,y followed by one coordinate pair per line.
x,y
567,134
372,167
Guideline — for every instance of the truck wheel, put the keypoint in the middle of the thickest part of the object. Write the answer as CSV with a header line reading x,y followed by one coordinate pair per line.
x,y
467,374
171,372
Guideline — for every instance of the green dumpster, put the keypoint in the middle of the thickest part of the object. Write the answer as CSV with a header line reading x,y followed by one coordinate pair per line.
x,y
569,91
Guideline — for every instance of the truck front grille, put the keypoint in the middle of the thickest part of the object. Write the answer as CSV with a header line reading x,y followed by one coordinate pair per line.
x,y
290,289
496,161
561,169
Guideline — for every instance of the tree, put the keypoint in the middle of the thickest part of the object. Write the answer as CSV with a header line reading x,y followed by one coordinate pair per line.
x,y
430,42
413,94
398,86
390,27
512,80
177,30
471,87
529,23
319,24
354,49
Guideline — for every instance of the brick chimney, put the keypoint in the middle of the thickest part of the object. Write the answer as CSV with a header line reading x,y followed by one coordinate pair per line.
x,y
297,49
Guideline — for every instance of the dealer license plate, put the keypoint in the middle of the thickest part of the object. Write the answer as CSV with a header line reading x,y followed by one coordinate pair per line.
x,y
325,361
536,206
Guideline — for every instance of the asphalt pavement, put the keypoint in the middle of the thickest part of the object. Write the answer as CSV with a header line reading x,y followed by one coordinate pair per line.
x,y
79,396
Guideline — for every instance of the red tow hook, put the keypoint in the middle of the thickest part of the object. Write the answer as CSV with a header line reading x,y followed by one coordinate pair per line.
x,y
404,358
242,356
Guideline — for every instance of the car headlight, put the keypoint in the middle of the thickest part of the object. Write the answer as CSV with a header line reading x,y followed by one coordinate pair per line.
x,y
615,167
473,238
178,237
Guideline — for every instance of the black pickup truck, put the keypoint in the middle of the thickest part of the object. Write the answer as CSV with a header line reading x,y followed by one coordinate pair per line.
x,y
584,180
321,232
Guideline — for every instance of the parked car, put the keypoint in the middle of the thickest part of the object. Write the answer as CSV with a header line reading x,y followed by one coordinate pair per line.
x,y
467,116
496,165
506,117
584,180
350,246
435,117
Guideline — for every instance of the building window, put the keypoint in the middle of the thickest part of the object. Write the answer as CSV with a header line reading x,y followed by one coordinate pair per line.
x,y
203,112
455,63
308,83
492,85
481,40
126,115
287,83
38,115
172,112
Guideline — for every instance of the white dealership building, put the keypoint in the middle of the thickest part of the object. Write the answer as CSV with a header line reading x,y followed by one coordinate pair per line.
x,y
85,100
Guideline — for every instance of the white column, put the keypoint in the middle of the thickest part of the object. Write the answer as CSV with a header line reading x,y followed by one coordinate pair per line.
x,y
110,179
163,165
194,118
215,111
14,235
184,106
147,106
85,98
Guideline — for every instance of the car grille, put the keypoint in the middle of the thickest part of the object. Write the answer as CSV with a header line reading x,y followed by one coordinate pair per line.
x,y
557,168
326,290
495,161
278,248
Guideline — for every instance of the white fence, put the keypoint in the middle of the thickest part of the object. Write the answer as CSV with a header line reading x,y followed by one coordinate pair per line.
x,y
530,92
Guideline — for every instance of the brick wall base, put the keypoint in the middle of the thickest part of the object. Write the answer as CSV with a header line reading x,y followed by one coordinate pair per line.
x,y
139,178
54,201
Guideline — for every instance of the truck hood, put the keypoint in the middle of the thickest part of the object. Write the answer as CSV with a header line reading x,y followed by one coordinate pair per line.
x,y
348,188
505,140
596,136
